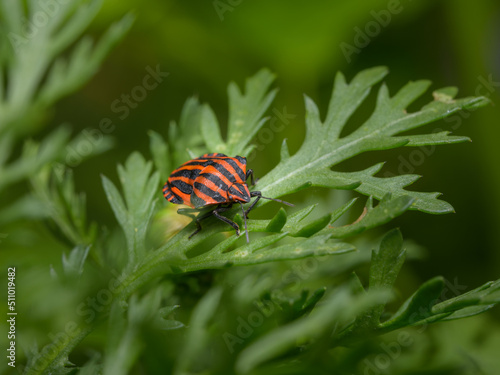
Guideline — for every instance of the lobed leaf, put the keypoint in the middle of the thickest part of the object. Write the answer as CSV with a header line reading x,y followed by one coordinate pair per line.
x,y
323,147
385,266
160,152
136,209
246,110
377,186
185,140
245,115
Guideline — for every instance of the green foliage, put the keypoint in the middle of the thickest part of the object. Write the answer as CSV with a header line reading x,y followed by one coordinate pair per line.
x,y
245,116
335,311
123,341
346,314
38,66
424,306
29,57
134,211
293,305
199,336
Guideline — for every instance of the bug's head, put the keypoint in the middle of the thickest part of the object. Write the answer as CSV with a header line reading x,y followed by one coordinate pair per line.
x,y
239,193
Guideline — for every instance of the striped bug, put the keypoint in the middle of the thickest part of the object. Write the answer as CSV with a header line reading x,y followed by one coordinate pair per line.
x,y
214,182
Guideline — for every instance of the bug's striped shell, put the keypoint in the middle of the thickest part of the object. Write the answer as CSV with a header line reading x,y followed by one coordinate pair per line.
x,y
208,180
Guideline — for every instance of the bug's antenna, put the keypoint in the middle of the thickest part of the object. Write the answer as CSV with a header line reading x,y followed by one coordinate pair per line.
x,y
259,196
279,200
245,219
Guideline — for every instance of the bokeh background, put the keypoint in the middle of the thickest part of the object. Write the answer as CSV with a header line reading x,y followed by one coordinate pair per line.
x,y
203,45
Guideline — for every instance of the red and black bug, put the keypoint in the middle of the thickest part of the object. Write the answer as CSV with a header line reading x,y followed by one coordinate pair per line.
x,y
213,182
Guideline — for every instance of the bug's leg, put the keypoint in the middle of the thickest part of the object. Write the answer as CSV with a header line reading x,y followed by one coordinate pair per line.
x,y
190,212
253,194
217,214
253,180
198,220
245,220
198,229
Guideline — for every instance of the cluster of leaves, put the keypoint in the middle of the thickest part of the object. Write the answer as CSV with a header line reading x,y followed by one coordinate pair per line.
x,y
34,74
346,313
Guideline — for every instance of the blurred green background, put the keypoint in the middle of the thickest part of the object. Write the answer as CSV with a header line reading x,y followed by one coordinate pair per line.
x,y
203,45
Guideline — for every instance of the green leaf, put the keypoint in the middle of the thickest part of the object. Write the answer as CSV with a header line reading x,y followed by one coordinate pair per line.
x,y
377,186
277,222
385,265
55,191
185,139
245,115
246,110
418,307
387,260
294,221
355,284
384,212
466,312
424,306
441,138
135,211
311,302
313,226
26,207
117,203
384,268
323,148
74,262
255,252
284,153
479,296
160,151
34,157
102,144
337,214
295,307
211,130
